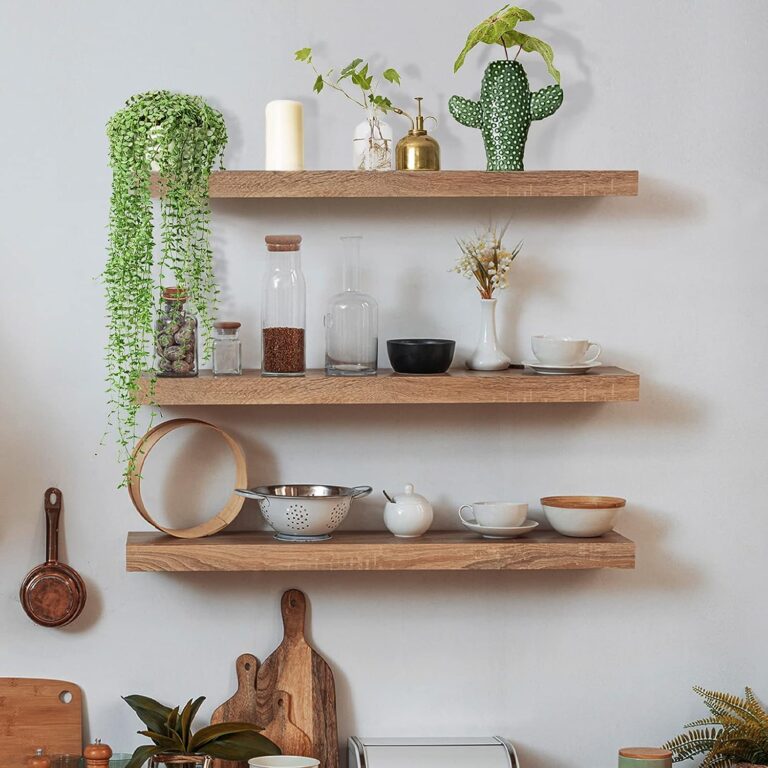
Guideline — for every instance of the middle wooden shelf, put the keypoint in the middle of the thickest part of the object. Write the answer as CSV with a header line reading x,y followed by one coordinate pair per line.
x,y
602,385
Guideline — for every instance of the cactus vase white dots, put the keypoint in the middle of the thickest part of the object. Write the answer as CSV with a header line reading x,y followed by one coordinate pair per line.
x,y
505,111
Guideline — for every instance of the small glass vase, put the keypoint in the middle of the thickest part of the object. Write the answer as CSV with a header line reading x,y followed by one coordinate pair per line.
x,y
488,356
351,322
180,761
372,144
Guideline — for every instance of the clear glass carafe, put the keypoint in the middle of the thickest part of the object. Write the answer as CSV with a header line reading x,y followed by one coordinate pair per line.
x,y
175,336
351,322
283,308
227,357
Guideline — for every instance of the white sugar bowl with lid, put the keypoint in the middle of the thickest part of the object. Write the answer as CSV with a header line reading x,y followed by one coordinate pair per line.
x,y
408,514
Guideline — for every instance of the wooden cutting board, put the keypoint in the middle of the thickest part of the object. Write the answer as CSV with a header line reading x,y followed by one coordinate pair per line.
x,y
283,732
298,670
35,714
240,708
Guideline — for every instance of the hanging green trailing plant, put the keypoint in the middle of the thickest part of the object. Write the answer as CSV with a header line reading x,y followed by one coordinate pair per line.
x,y
736,732
181,137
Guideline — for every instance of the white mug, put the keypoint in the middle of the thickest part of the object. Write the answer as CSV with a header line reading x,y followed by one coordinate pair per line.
x,y
497,514
562,350
284,761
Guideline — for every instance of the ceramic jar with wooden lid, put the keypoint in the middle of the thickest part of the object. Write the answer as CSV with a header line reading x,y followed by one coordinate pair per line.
x,y
644,757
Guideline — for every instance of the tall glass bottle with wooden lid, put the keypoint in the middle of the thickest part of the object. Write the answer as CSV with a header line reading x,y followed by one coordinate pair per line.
x,y
283,308
175,336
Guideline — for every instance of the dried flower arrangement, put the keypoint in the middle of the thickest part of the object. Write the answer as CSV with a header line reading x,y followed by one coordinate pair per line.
x,y
485,260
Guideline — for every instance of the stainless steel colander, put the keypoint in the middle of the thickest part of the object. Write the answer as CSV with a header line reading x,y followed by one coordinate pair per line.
x,y
304,512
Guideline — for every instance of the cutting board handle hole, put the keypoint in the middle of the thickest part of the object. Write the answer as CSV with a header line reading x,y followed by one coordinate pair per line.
x,y
65,697
248,666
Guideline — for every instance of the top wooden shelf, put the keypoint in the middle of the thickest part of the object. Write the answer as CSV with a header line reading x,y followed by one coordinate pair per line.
x,y
410,184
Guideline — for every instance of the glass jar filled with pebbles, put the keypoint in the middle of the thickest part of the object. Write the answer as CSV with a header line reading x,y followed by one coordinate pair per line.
x,y
227,359
283,308
175,336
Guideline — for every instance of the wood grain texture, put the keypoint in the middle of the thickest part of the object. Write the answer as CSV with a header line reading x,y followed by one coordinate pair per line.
x,y
282,730
410,184
377,551
33,716
603,385
297,669
241,707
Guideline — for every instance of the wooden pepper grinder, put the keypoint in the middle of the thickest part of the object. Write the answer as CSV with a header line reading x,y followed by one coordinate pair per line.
x,y
39,760
97,755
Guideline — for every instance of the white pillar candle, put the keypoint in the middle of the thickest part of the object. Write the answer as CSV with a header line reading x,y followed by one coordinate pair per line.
x,y
284,136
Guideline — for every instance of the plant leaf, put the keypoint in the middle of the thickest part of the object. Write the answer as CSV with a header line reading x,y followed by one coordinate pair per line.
x,y
173,719
152,713
142,754
318,86
350,68
391,75
240,746
492,29
304,54
534,45
166,742
219,730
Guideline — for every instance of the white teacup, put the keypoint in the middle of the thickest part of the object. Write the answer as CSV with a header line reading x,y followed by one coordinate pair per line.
x,y
562,350
283,761
497,514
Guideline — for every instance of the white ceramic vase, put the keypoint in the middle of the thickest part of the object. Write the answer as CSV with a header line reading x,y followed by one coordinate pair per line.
x,y
488,356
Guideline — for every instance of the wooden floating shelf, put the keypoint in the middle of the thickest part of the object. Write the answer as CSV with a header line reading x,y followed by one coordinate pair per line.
x,y
422,184
377,551
602,385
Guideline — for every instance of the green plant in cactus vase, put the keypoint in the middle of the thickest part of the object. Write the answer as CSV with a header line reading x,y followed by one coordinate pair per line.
x,y
506,106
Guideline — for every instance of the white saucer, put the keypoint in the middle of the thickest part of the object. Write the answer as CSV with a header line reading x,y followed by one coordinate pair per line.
x,y
560,370
489,532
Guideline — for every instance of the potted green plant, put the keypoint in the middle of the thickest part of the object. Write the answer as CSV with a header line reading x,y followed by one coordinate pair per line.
x,y
372,141
735,733
506,106
181,138
174,743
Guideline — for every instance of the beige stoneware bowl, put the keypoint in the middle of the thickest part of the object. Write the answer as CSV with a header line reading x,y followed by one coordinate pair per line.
x,y
582,516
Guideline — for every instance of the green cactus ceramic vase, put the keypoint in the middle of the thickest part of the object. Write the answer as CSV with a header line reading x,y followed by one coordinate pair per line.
x,y
505,111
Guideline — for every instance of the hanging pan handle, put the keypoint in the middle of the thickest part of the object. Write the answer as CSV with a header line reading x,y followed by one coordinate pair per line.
x,y
52,512
359,491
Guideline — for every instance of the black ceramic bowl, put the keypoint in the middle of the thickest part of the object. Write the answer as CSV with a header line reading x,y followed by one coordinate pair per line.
x,y
420,355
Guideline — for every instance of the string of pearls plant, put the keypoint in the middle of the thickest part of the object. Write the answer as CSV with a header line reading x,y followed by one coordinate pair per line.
x,y
182,138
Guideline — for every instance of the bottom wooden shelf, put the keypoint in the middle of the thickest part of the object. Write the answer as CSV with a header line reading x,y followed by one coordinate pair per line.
x,y
376,551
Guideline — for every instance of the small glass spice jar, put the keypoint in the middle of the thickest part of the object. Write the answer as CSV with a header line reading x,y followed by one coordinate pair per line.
x,y
283,308
227,358
175,336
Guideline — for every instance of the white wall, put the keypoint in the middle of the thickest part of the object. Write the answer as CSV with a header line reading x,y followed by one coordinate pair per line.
x,y
673,283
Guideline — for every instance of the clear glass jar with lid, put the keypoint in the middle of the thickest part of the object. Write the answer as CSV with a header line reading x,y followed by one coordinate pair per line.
x,y
351,322
283,308
227,357
175,336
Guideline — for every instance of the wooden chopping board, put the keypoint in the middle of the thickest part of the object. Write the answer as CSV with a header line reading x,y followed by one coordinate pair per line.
x,y
240,708
35,714
282,731
296,669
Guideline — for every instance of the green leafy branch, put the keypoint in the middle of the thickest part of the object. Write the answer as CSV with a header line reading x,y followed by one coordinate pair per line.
x,y
357,72
500,28
736,731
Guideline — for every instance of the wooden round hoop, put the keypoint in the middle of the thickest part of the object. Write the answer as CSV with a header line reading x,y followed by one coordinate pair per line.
x,y
222,518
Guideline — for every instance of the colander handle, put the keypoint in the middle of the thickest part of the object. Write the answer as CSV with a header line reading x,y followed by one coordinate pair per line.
x,y
249,494
359,491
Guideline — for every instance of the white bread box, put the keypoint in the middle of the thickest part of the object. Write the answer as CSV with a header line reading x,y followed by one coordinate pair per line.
x,y
489,752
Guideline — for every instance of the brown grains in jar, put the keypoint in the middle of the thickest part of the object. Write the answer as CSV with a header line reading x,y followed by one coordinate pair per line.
x,y
283,350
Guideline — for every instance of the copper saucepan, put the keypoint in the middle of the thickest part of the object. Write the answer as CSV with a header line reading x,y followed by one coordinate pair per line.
x,y
53,594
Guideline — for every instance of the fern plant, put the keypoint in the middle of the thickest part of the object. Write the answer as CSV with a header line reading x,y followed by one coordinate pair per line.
x,y
182,137
736,731
170,731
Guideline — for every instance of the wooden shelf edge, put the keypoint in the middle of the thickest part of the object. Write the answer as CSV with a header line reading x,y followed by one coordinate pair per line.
x,y
341,184
457,387
375,551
